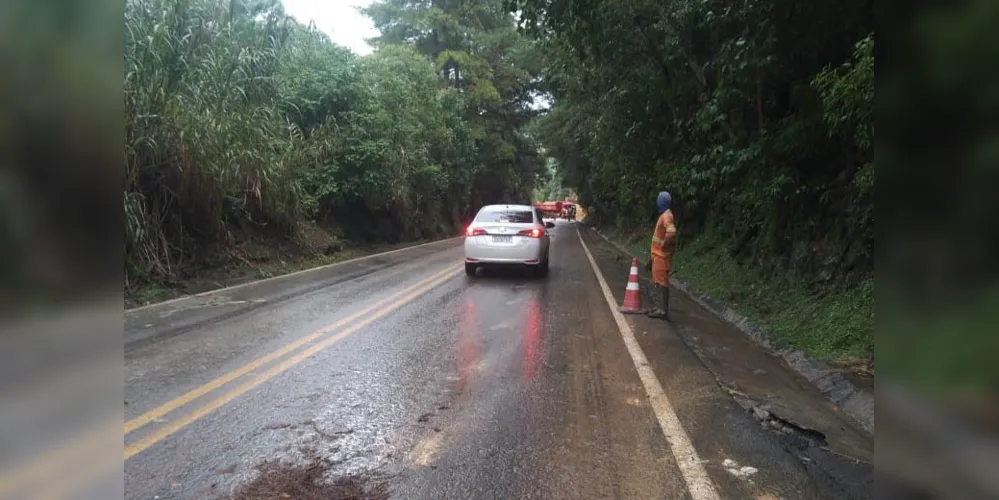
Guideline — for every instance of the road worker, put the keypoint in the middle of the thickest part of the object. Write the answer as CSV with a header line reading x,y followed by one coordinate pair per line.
x,y
663,246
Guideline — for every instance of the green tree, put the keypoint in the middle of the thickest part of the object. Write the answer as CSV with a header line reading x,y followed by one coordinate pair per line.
x,y
478,51
729,106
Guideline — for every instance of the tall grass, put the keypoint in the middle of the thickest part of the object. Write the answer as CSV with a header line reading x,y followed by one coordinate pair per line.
x,y
205,141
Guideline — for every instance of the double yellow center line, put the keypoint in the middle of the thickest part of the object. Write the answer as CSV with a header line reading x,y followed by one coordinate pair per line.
x,y
369,314
81,448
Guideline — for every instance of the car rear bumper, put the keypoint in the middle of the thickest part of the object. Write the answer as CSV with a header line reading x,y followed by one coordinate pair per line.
x,y
478,250
503,262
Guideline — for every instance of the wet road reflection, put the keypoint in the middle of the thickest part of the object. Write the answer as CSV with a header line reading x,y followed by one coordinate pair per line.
x,y
497,386
532,338
468,338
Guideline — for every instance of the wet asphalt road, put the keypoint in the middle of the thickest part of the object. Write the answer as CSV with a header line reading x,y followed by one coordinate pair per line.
x,y
500,386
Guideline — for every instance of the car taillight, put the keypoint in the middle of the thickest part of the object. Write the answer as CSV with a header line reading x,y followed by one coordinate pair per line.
x,y
474,231
533,233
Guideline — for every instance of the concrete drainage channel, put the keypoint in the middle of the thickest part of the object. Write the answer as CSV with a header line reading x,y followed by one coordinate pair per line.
x,y
846,396
833,385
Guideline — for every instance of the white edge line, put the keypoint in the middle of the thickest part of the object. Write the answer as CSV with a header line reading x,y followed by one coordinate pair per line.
x,y
698,483
272,278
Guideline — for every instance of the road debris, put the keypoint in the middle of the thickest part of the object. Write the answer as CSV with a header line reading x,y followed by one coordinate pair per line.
x,y
738,471
308,481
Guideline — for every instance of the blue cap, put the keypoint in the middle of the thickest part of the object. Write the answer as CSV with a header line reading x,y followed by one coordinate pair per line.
x,y
663,201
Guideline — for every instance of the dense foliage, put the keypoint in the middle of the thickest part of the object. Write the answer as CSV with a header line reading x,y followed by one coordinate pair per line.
x,y
551,185
239,119
757,116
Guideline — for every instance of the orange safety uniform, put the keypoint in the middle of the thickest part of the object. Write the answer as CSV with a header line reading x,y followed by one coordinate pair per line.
x,y
663,243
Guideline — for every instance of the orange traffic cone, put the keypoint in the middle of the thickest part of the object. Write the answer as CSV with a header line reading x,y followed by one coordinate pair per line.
x,y
633,293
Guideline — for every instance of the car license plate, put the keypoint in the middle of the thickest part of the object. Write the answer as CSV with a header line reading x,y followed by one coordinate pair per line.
x,y
502,239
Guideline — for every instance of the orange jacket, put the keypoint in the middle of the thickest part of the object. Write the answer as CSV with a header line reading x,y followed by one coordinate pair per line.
x,y
664,237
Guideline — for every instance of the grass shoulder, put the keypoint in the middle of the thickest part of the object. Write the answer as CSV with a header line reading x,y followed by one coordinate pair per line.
x,y
836,325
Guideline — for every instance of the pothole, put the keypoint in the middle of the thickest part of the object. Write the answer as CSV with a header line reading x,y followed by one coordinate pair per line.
x,y
803,437
810,437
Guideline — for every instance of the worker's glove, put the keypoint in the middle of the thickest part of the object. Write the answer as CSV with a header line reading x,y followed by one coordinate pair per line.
x,y
648,265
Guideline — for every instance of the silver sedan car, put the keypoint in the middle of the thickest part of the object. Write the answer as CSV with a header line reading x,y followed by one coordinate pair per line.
x,y
506,235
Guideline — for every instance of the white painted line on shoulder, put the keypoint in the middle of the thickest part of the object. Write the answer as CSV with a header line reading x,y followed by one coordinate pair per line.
x,y
698,483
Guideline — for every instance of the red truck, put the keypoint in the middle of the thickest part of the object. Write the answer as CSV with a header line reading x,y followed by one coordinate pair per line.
x,y
550,209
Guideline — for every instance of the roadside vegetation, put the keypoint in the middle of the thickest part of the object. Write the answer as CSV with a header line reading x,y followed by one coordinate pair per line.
x,y
835,325
254,145
245,129
757,117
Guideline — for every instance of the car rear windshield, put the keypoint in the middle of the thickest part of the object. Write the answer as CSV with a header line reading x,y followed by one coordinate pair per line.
x,y
514,216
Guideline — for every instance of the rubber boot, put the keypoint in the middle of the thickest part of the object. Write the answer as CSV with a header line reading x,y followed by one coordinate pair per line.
x,y
660,312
